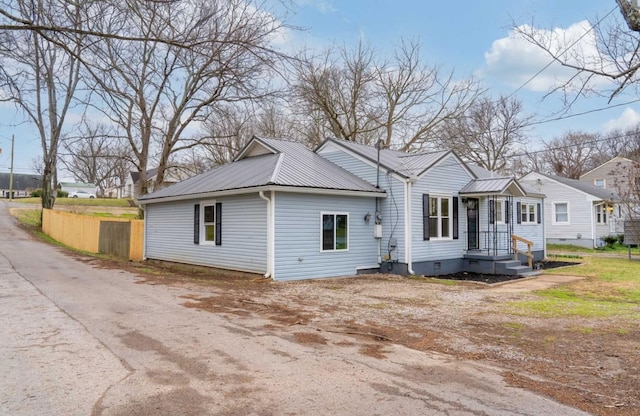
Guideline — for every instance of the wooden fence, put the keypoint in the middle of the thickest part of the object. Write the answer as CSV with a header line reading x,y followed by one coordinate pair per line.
x,y
116,236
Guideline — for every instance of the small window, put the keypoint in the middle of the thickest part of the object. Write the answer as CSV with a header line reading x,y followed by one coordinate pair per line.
x,y
335,232
208,222
601,214
528,213
561,212
500,212
440,217
600,183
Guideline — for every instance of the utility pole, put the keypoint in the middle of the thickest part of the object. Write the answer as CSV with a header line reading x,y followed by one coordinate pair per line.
x,y
11,172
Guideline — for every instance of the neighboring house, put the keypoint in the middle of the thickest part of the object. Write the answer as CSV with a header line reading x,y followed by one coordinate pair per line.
x,y
77,186
622,176
23,184
171,175
291,213
575,212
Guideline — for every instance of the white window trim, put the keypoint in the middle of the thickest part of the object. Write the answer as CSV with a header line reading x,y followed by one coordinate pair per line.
x,y
603,207
334,213
450,216
535,213
554,221
203,234
502,210
604,183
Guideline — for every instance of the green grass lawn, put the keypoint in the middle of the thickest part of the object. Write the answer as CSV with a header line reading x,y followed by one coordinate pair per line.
x,y
568,248
96,202
611,289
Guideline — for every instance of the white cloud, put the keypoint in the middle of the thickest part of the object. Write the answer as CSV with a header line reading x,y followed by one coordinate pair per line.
x,y
628,118
323,6
514,60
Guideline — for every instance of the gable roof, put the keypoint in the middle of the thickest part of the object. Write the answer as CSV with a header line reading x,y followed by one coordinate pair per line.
x,y
614,160
497,185
587,188
135,175
267,162
21,181
407,165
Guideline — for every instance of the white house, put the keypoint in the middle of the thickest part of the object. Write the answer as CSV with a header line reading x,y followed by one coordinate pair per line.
x,y
575,212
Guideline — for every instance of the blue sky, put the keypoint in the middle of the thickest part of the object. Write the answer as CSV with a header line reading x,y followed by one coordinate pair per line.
x,y
470,37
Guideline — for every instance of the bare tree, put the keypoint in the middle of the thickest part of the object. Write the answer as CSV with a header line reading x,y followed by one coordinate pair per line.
x,y
154,92
350,95
41,77
96,156
488,134
572,154
608,50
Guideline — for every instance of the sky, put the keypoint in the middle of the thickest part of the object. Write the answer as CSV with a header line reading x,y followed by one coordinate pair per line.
x,y
472,38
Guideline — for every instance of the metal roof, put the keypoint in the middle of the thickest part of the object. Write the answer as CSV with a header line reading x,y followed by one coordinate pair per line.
x,y
292,165
488,186
405,164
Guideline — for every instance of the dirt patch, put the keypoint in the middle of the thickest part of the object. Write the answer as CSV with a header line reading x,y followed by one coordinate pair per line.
x,y
590,364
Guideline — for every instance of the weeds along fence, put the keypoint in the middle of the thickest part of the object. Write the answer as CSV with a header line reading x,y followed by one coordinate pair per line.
x,y
115,236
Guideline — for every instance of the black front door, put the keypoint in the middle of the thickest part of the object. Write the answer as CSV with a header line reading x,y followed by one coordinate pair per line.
x,y
473,225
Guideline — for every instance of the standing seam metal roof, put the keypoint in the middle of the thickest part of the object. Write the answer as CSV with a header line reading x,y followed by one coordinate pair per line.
x,y
295,165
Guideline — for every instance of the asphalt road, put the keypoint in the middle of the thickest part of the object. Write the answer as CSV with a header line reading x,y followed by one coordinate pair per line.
x,y
79,340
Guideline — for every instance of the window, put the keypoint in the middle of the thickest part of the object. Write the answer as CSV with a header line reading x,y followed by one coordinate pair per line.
x,y
601,214
500,213
335,232
528,213
600,183
439,217
207,223
561,213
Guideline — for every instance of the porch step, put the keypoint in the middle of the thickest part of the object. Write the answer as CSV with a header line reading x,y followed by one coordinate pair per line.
x,y
511,267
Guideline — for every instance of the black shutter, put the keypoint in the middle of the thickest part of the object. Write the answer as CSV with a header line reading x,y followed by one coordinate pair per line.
x,y
218,223
492,211
519,213
507,211
196,224
539,214
455,217
425,216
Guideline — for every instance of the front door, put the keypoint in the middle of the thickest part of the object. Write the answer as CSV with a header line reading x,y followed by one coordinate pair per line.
x,y
473,225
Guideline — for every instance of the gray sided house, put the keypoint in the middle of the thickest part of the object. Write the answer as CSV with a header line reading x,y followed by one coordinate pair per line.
x,y
291,213
576,212
22,186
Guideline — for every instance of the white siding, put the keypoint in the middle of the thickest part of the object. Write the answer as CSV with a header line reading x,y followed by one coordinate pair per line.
x,y
298,236
580,208
448,177
169,234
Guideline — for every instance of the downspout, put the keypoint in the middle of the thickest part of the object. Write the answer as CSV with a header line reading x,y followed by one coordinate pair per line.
x,y
144,231
377,213
408,231
270,247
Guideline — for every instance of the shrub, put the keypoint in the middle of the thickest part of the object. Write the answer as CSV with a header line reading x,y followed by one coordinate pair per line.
x,y
621,239
62,194
36,193
610,240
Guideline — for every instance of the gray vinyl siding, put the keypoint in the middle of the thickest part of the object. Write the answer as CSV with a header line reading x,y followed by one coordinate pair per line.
x,y
446,178
169,234
298,252
392,207
356,166
532,232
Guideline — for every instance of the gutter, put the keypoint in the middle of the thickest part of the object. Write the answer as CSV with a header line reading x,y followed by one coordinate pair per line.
x,y
270,234
408,255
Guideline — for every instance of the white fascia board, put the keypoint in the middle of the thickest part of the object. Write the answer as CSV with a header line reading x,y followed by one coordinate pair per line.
x,y
277,188
328,144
